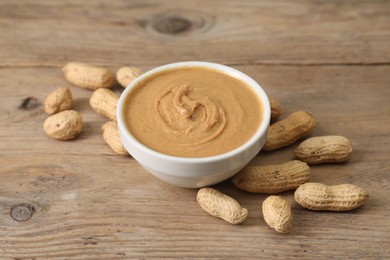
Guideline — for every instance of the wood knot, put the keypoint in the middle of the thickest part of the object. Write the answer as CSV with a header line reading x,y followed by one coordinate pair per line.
x,y
22,212
179,22
29,103
172,25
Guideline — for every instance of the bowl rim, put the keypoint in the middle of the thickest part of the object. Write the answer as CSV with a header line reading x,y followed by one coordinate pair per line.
x,y
122,128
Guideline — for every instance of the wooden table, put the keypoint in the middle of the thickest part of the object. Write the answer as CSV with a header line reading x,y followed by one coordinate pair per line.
x,y
79,200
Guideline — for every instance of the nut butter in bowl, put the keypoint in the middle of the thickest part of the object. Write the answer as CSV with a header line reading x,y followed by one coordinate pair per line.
x,y
193,124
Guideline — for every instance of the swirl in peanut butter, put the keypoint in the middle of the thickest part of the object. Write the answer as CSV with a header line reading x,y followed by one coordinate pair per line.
x,y
186,119
192,112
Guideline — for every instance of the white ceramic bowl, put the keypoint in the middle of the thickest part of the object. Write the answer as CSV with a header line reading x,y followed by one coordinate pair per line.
x,y
195,172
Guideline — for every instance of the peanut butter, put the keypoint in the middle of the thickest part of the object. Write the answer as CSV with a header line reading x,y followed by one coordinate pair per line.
x,y
192,112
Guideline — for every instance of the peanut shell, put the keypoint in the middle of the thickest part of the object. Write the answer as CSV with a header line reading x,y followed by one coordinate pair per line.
x,y
276,109
272,178
104,102
289,130
277,213
221,206
64,125
111,136
317,196
88,76
125,75
324,149
58,100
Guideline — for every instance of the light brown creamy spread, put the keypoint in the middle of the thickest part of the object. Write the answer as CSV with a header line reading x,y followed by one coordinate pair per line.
x,y
192,112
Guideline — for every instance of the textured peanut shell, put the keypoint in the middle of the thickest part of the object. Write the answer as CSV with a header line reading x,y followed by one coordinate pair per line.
x,y
276,109
277,213
64,125
317,196
221,206
324,149
111,136
104,102
88,76
272,178
125,75
289,130
58,100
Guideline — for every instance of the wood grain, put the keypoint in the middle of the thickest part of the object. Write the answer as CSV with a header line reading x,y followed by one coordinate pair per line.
x,y
48,33
79,200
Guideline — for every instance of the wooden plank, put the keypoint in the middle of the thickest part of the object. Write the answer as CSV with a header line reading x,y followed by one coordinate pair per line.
x,y
88,203
49,33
